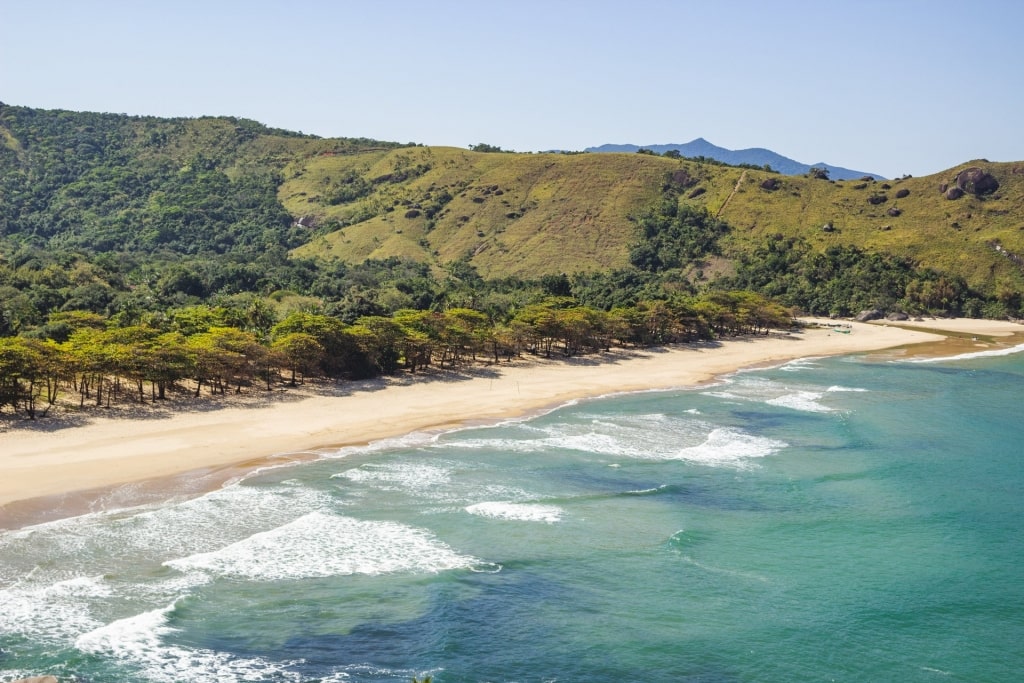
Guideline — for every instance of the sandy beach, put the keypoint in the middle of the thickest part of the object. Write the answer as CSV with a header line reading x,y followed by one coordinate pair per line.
x,y
43,464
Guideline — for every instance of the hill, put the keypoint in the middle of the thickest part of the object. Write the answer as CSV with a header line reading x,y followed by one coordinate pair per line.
x,y
119,214
521,214
754,156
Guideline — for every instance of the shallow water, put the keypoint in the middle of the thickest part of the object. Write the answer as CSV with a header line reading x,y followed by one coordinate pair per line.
x,y
836,519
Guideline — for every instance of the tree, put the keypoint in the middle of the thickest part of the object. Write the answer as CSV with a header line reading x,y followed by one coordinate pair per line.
x,y
28,367
301,351
224,355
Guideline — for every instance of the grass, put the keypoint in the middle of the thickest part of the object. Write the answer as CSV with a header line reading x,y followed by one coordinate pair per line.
x,y
954,236
513,214
532,214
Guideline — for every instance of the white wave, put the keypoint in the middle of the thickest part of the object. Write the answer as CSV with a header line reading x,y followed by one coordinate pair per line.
x,y
526,512
800,364
729,447
54,612
321,544
635,436
806,401
508,445
408,441
992,353
427,481
803,397
144,539
139,641
398,475
641,492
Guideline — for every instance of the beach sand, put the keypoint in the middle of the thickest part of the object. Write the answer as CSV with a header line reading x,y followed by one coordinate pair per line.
x,y
61,464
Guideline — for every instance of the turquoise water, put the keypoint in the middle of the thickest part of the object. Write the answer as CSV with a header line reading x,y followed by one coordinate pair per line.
x,y
842,519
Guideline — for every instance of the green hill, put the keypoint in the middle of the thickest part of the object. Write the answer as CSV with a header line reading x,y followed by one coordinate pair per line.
x,y
521,214
509,214
115,213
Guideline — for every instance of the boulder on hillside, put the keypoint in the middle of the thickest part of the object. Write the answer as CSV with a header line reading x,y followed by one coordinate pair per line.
x,y
873,314
976,181
893,211
770,184
828,227
943,187
897,315
900,194
954,193
696,192
878,199
681,179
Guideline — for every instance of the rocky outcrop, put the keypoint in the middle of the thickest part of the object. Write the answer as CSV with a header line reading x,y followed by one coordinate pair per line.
x,y
897,315
976,181
878,199
893,211
696,192
683,179
770,184
865,316
954,193
901,193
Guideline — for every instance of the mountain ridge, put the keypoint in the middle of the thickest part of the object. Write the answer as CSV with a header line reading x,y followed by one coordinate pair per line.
x,y
755,156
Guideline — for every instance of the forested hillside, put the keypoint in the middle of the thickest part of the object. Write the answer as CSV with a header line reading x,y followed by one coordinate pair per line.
x,y
121,235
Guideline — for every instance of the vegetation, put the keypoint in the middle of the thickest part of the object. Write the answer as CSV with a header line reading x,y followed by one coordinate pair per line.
x,y
139,255
223,350
843,280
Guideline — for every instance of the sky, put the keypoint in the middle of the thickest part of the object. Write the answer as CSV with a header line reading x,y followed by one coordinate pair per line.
x,y
895,87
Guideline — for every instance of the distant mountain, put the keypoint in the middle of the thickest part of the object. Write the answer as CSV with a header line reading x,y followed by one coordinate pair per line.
x,y
758,156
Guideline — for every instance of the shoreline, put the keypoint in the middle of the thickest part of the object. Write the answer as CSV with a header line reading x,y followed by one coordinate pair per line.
x,y
67,465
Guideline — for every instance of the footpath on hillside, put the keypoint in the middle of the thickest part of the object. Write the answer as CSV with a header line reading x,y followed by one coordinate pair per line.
x,y
743,176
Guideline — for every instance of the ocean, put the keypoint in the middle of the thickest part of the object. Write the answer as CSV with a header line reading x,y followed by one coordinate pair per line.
x,y
839,519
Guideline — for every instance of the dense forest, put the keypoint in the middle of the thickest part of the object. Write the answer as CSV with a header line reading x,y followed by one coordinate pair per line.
x,y
139,254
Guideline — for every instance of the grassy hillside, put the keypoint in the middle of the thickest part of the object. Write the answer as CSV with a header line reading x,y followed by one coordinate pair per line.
x,y
510,214
519,214
955,236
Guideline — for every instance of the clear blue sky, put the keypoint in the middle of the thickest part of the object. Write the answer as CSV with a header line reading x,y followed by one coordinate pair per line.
x,y
912,86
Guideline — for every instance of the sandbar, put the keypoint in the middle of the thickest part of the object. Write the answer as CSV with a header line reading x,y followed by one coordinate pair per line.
x,y
76,451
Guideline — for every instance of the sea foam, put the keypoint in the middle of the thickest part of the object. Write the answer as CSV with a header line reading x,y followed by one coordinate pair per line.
x,y
992,353
730,447
525,512
806,398
807,401
51,613
139,641
321,544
